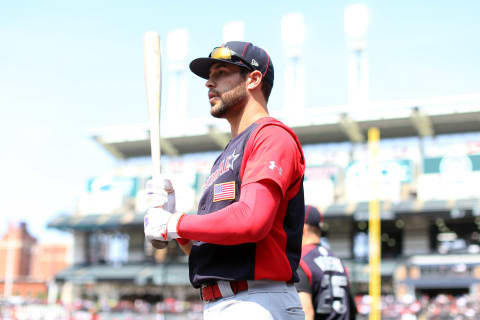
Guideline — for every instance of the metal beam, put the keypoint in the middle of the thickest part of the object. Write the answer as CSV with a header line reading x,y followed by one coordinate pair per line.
x,y
109,147
168,148
220,138
422,123
351,128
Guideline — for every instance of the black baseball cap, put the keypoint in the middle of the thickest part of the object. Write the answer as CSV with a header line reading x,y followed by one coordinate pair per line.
x,y
313,217
242,54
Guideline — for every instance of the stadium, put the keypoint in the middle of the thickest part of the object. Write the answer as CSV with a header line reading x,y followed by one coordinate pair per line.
x,y
427,170
430,242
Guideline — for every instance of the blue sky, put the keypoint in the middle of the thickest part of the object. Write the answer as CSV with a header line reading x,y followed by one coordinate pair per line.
x,y
67,67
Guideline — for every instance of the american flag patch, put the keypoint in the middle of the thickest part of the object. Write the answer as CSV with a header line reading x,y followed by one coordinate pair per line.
x,y
224,191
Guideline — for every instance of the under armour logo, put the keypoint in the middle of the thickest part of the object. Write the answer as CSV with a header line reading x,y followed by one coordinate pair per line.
x,y
273,166
254,63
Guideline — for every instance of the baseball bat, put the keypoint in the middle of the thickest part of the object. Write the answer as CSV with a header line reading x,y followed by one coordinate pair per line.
x,y
153,84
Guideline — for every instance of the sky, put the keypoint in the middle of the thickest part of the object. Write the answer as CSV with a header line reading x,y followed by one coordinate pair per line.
x,y
67,67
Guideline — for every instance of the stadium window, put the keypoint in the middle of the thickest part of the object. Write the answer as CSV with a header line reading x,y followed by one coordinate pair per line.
x,y
455,235
391,239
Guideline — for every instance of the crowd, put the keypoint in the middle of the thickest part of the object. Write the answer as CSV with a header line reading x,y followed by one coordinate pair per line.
x,y
441,307
169,309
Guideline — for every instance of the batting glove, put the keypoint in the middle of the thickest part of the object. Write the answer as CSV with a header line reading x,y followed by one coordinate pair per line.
x,y
160,194
160,224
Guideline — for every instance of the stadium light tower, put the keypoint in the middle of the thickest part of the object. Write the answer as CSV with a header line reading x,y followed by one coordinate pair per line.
x,y
233,31
356,24
293,37
177,48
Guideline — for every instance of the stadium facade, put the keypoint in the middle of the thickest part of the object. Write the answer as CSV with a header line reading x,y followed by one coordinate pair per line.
x,y
428,168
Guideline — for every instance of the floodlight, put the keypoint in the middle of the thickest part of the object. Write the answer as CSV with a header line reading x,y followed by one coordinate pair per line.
x,y
177,44
293,29
356,20
233,31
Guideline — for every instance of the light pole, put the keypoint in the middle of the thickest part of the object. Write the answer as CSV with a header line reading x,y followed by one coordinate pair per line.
x,y
293,37
177,48
356,24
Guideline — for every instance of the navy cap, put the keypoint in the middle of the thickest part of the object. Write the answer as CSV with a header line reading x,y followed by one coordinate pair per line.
x,y
313,217
244,54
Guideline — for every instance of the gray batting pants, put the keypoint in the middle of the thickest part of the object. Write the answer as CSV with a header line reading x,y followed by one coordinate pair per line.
x,y
264,300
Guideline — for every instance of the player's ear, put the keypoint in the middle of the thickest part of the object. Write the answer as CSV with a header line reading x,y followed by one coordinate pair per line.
x,y
254,79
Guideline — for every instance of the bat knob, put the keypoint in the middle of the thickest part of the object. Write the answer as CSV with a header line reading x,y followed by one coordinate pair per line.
x,y
167,185
158,244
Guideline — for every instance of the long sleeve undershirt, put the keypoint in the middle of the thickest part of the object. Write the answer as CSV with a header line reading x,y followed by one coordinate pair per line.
x,y
248,220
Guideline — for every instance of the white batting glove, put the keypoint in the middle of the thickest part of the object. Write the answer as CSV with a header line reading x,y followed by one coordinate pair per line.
x,y
160,194
160,224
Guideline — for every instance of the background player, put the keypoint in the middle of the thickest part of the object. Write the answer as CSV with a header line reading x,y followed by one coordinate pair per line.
x,y
324,288
247,234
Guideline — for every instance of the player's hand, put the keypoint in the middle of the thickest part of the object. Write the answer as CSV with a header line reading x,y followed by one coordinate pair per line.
x,y
160,224
160,194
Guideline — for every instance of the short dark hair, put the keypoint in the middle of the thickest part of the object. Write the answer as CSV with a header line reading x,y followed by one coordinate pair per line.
x,y
266,87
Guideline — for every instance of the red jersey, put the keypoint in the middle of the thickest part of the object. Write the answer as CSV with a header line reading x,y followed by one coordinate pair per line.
x,y
266,151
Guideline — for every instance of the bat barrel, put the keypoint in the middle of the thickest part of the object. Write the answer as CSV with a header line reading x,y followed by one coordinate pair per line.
x,y
152,52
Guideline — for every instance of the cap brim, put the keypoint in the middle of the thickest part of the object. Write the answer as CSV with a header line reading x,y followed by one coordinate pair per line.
x,y
201,66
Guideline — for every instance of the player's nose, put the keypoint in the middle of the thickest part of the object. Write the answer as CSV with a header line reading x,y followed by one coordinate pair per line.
x,y
210,83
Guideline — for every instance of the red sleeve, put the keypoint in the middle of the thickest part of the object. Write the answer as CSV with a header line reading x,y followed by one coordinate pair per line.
x,y
248,220
275,156
305,278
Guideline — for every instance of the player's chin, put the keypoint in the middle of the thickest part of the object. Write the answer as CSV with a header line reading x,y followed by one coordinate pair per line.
x,y
218,111
214,106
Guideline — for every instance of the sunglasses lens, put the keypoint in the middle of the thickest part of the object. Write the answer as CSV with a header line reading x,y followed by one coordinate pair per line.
x,y
221,53
225,53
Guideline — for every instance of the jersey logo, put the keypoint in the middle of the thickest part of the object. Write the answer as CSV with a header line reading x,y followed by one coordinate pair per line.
x,y
274,166
225,165
224,191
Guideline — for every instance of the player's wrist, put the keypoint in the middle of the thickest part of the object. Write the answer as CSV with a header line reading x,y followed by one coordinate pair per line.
x,y
172,225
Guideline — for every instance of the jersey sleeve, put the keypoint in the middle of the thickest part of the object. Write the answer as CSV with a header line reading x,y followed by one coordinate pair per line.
x,y
248,220
303,284
275,156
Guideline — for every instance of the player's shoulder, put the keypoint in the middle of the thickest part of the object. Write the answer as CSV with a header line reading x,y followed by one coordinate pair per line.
x,y
272,123
272,128
325,251
318,250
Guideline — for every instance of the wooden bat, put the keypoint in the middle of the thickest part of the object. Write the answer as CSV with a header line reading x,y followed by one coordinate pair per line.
x,y
153,83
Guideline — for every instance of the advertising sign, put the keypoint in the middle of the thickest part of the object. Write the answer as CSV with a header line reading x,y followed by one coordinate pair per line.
x,y
390,176
450,177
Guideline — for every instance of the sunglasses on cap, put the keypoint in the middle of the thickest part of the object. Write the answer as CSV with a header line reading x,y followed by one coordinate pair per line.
x,y
225,53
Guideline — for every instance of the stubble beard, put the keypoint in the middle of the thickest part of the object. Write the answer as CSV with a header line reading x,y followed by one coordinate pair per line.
x,y
230,102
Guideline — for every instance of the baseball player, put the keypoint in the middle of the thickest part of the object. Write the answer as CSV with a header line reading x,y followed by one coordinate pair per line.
x,y
323,288
244,244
